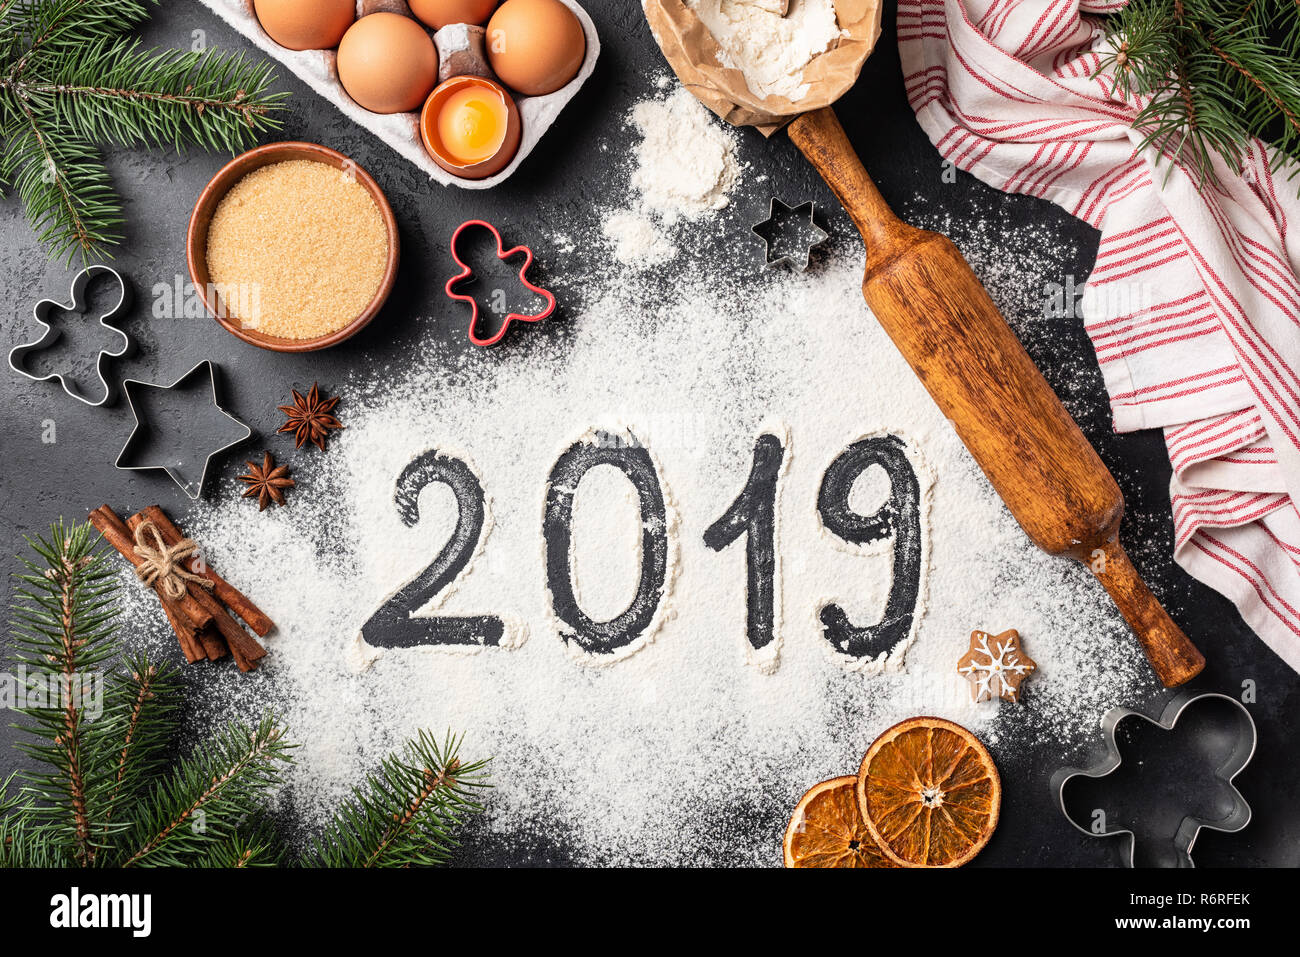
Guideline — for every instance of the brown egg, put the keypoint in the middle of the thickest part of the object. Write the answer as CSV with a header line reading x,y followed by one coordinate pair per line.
x,y
387,63
535,46
439,13
306,24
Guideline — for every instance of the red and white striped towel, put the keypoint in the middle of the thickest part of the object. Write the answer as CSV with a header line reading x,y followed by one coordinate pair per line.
x,y
1193,306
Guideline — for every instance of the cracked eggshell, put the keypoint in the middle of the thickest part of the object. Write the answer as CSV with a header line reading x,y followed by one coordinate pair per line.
x,y
433,143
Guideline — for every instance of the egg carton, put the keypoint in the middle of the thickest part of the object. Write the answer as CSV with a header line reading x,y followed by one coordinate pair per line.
x,y
401,131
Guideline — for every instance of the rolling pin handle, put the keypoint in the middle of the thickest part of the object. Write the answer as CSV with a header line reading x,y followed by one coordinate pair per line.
x,y
820,136
1173,656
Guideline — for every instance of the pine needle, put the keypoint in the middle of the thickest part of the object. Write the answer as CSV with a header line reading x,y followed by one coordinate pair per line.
x,y
203,803
1211,77
406,815
63,634
71,81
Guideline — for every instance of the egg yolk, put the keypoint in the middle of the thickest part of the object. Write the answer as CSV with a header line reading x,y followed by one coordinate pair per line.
x,y
472,125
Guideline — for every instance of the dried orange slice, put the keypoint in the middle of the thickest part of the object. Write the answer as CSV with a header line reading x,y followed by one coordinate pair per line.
x,y
826,829
929,793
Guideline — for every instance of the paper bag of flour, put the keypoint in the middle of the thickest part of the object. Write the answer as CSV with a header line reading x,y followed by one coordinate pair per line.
x,y
700,64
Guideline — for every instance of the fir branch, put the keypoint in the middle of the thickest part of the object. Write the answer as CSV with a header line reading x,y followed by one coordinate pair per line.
x,y
62,182
51,26
1210,78
202,804
118,92
20,844
142,706
70,81
62,630
1268,87
104,798
257,845
24,842
407,814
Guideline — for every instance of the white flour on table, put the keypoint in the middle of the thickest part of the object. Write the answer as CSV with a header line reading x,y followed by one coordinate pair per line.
x,y
691,746
637,240
690,750
769,48
683,168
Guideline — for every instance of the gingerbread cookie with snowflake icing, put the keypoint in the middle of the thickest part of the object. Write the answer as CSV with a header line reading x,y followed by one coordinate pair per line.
x,y
995,665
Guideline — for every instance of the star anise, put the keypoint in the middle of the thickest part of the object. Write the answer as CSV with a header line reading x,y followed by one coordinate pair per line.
x,y
310,418
267,481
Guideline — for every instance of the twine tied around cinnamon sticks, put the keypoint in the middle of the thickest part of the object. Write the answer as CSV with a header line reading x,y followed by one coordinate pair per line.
x,y
160,563
199,604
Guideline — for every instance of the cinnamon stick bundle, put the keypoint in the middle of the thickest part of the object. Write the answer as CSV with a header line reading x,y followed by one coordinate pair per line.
x,y
191,646
214,646
246,650
202,623
115,532
232,597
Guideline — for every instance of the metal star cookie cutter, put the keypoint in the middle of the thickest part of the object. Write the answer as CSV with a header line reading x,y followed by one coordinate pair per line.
x,y
41,311
1229,735
181,469
769,229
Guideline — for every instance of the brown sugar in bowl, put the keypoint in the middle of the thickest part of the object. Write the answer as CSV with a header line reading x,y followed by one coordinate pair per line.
x,y
196,242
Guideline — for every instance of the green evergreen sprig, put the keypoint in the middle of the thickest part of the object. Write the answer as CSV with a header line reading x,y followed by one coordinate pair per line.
x,y
200,808
146,715
105,791
1216,75
63,630
405,815
98,794
71,81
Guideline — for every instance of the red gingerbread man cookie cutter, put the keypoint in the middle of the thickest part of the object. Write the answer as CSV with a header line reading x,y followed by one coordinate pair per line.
x,y
466,272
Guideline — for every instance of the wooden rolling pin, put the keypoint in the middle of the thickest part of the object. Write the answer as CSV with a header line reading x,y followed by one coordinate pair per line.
x,y
941,319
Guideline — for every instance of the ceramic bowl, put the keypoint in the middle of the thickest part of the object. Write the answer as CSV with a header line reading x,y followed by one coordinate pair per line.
x,y
196,243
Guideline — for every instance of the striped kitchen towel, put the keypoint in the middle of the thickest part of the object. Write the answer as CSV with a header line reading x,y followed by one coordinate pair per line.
x,y
1193,306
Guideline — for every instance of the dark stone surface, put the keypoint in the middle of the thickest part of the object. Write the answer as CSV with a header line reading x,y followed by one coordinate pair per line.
x,y
41,481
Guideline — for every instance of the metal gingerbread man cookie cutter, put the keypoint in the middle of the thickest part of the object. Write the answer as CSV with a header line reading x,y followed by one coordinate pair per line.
x,y
1227,732
19,354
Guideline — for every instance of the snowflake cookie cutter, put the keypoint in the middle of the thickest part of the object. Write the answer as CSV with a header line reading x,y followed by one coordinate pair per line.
x,y
51,334
180,468
1224,733
467,273
776,225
